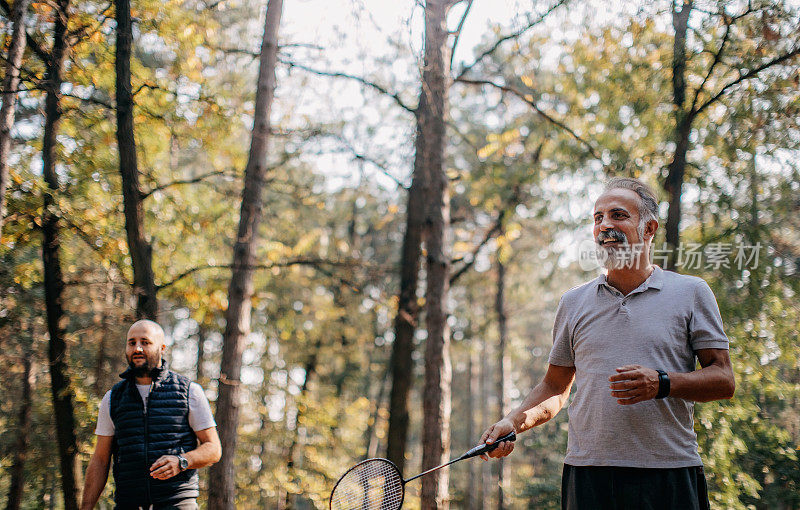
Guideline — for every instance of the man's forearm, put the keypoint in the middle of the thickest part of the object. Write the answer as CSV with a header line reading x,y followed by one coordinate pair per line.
x,y
203,456
96,477
541,404
710,383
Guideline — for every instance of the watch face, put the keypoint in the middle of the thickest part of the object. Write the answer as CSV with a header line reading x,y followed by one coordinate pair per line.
x,y
184,463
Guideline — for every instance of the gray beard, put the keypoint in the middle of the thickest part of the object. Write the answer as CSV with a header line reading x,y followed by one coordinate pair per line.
x,y
612,261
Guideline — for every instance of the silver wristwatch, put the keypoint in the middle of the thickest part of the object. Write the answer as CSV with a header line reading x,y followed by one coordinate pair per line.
x,y
183,463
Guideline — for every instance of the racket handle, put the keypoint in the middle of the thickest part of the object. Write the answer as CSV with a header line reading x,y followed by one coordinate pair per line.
x,y
484,448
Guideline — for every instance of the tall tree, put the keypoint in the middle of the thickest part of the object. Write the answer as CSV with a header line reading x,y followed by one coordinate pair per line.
x,y
683,122
472,389
748,66
310,370
140,250
502,362
484,376
240,290
431,115
103,346
200,372
17,484
9,95
62,392
405,322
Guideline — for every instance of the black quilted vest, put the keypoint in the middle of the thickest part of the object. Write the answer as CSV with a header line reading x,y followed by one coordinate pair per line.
x,y
142,437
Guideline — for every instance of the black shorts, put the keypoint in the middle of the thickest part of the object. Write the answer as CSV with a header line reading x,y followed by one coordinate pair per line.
x,y
625,488
181,504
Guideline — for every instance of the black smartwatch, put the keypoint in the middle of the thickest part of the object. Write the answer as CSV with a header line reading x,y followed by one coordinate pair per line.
x,y
183,463
663,384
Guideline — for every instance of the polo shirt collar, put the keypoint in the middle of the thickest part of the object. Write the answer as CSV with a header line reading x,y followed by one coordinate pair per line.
x,y
654,281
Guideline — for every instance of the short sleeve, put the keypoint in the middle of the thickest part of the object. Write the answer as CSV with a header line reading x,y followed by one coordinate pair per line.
x,y
200,416
105,425
705,325
562,353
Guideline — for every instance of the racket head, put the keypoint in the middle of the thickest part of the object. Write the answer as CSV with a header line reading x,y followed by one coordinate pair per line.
x,y
373,484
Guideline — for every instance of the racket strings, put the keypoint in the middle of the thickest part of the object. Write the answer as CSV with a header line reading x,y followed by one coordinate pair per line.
x,y
372,485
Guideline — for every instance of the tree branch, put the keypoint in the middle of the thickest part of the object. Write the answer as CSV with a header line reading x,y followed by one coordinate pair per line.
x,y
368,159
180,182
151,87
458,31
729,21
83,31
527,98
92,100
31,42
213,5
464,138
508,37
383,90
286,263
239,51
490,233
746,76
90,242
512,202
717,58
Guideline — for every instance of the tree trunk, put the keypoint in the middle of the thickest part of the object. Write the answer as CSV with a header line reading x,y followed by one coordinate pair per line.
x,y
140,250
23,438
310,369
483,377
472,388
405,323
436,394
755,184
51,504
502,366
200,373
673,186
53,280
9,95
372,441
102,348
683,127
237,327
43,495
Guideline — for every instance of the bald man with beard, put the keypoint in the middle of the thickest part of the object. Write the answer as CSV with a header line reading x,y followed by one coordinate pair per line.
x,y
155,427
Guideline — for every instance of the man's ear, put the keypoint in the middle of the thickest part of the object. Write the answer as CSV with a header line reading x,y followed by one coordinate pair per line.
x,y
650,229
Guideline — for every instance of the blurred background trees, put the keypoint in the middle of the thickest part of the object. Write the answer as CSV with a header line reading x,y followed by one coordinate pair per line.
x,y
544,101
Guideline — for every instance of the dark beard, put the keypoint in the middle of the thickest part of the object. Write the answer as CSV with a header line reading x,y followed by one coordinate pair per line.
x,y
141,370
146,368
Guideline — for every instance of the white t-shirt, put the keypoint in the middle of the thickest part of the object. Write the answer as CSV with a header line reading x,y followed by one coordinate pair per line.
x,y
200,417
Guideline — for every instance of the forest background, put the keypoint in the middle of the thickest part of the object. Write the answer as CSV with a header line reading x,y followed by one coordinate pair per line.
x,y
369,261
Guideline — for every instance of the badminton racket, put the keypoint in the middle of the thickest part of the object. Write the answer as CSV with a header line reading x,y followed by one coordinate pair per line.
x,y
376,484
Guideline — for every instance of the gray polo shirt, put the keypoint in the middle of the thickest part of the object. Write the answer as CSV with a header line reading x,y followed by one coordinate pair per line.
x,y
660,325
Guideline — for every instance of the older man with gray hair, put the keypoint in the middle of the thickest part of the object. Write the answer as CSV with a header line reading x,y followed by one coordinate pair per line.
x,y
629,341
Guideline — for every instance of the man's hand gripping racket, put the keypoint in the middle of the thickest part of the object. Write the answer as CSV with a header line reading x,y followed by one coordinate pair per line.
x,y
376,484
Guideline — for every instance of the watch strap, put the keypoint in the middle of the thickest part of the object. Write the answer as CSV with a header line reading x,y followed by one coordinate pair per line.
x,y
663,384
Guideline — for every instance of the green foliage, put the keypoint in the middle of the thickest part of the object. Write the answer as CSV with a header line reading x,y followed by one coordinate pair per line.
x,y
315,384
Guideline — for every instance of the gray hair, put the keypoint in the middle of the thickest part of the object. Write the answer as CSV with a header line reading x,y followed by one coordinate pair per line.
x,y
648,203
